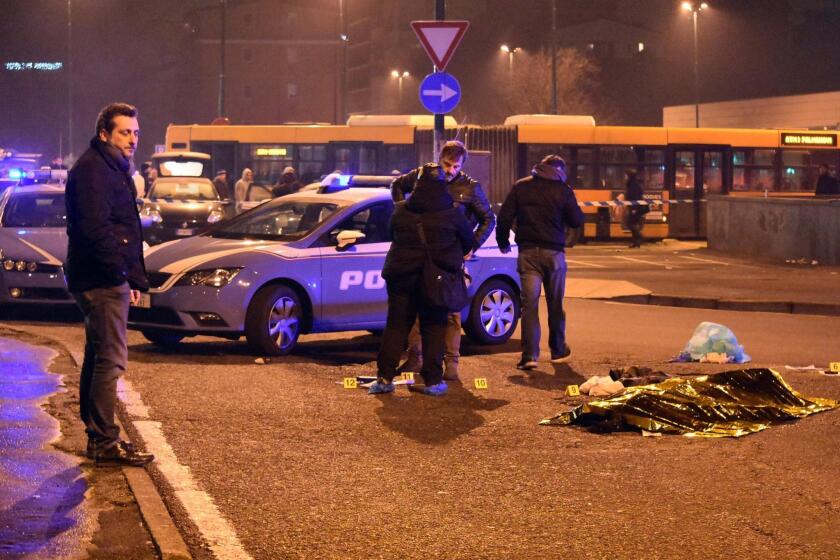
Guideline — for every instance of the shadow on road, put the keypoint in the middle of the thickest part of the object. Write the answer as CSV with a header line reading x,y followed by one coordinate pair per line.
x,y
42,314
563,375
31,524
435,420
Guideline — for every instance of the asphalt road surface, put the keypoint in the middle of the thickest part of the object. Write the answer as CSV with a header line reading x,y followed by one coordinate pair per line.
x,y
299,467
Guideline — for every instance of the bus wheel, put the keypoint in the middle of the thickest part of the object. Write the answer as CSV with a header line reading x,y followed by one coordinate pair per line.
x,y
494,313
273,321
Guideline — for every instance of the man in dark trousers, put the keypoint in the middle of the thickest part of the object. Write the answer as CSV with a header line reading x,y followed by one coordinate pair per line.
x,y
469,198
542,205
105,273
635,214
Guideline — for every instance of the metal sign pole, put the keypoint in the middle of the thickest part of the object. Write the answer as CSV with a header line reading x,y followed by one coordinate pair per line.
x,y
440,15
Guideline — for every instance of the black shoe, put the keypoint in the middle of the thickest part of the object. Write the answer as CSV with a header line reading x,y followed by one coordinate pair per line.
x,y
122,453
561,357
527,364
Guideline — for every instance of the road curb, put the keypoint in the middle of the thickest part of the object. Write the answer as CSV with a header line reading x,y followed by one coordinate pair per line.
x,y
765,306
165,535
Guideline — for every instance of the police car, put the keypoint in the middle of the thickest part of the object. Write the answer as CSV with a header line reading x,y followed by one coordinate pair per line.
x,y
33,244
307,262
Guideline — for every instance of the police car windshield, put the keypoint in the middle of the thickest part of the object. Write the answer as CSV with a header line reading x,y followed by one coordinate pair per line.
x,y
280,221
183,190
35,210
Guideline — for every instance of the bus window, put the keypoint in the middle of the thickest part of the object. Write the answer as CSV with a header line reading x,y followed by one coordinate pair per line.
x,y
367,160
684,166
614,160
652,169
311,162
752,170
800,168
266,160
583,168
712,172
400,158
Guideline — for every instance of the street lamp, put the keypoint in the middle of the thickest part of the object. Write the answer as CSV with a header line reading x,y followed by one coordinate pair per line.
x,y
510,52
695,8
399,75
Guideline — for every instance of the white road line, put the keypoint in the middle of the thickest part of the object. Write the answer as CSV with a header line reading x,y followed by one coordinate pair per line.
x,y
593,265
631,259
202,511
704,260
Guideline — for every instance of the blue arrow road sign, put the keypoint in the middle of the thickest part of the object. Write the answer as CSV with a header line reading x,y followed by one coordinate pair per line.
x,y
440,93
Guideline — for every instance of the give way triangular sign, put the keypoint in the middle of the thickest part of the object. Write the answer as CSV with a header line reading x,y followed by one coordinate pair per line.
x,y
440,39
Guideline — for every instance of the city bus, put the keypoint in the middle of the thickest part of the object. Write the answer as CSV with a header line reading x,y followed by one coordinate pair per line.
x,y
678,167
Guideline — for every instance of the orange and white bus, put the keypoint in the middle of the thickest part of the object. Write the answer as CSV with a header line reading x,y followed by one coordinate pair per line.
x,y
680,166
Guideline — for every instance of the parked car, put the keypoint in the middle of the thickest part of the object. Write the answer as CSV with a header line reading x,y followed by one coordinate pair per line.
x,y
183,200
33,245
302,263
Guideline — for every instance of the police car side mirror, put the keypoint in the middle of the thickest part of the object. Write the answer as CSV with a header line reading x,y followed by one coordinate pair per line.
x,y
348,237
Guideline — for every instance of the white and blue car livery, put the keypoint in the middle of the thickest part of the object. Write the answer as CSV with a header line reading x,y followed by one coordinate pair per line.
x,y
303,263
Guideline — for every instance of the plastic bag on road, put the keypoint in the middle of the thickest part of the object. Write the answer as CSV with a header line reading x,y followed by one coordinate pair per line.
x,y
712,342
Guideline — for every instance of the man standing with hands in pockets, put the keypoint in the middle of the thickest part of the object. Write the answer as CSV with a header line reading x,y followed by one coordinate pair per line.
x,y
542,206
105,273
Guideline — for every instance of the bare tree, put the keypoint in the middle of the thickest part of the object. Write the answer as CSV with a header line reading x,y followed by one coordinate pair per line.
x,y
523,84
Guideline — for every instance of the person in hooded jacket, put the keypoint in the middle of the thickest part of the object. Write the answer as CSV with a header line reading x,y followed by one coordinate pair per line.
x,y
635,214
105,273
449,237
542,206
470,199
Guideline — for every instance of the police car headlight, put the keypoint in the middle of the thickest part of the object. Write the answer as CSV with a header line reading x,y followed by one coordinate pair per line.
x,y
214,278
8,264
153,214
20,266
214,217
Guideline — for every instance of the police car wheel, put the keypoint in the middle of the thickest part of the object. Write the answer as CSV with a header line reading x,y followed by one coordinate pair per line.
x,y
162,338
494,313
273,321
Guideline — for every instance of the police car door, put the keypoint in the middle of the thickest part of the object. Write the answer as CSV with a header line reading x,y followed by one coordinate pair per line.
x,y
353,291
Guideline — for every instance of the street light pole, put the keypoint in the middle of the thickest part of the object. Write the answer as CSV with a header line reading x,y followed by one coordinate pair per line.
x,y
222,61
69,79
554,57
695,8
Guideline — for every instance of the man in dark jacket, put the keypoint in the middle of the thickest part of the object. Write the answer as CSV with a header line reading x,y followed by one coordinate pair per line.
x,y
221,184
826,184
448,238
469,198
542,205
105,272
287,184
635,214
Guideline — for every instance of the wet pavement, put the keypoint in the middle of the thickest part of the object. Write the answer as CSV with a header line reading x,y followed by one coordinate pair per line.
x,y
42,490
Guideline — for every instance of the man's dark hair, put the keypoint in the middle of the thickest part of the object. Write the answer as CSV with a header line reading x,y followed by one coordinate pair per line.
x,y
105,120
555,161
453,151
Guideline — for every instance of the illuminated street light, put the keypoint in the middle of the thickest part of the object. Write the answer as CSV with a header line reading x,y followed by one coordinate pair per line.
x,y
399,75
695,8
510,52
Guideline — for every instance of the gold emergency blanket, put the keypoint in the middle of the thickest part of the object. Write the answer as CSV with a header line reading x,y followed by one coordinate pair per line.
x,y
729,404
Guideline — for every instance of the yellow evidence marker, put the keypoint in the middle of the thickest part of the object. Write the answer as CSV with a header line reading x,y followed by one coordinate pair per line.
x,y
573,390
834,367
480,382
407,376
350,383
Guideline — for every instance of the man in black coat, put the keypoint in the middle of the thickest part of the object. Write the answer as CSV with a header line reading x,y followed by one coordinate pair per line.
x,y
470,199
542,205
448,238
826,184
635,214
105,273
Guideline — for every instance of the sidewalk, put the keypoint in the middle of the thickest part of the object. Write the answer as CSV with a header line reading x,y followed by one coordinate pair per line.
x,y
716,280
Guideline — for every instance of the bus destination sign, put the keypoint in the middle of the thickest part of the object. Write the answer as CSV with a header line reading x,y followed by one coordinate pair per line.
x,y
809,139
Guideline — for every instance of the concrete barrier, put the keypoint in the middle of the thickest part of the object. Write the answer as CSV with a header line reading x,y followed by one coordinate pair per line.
x,y
778,228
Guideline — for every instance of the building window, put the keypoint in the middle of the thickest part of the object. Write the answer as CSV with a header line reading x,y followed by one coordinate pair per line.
x,y
291,90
